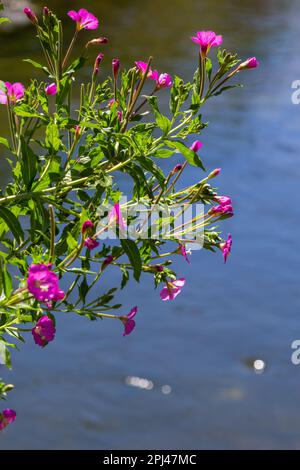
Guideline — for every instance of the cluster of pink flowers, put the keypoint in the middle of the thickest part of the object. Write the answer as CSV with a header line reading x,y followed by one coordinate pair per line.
x,y
162,80
42,283
7,417
13,93
223,208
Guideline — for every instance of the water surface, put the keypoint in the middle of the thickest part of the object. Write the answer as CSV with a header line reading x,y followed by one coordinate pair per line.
x,y
73,394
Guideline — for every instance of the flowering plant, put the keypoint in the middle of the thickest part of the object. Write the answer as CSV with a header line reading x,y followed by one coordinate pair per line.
x,y
65,160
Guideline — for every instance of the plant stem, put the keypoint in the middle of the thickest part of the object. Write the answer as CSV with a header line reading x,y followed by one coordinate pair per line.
x,y
70,48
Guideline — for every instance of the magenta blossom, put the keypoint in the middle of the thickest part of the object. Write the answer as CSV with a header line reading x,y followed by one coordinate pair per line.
x,y
87,225
142,67
164,81
115,216
43,284
44,331
183,251
51,89
172,289
30,15
196,146
223,200
226,247
206,39
250,63
129,323
7,417
84,19
222,209
91,243
14,92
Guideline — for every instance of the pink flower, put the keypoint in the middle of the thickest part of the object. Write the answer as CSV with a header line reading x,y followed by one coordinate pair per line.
x,y
207,39
115,215
196,146
222,209
115,67
223,200
43,284
91,243
129,323
172,289
51,89
226,247
250,63
7,417
14,92
44,331
84,19
142,67
164,81
30,15
87,225
184,253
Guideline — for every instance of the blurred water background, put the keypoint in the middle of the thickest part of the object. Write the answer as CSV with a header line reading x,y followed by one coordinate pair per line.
x,y
197,352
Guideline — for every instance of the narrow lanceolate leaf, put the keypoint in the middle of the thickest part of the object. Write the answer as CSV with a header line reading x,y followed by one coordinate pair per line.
x,y
28,164
132,251
12,222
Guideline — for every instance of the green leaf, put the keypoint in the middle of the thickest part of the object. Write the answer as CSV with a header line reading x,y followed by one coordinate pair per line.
x,y
12,222
4,142
163,153
229,87
132,251
190,155
72,243
37,65
5,20
52,137
28,164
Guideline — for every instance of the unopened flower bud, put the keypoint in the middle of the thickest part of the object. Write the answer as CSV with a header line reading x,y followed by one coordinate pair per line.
x,y
77,132
87,226
214,173
31,15
97,63
176,169
250,63
115,67
46,11
97,42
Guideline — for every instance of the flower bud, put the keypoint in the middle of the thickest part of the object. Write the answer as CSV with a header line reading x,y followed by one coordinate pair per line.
x,y
97,42
214,173
77,132
115,67
31,15
51,89
250,63
97,63
87,226
46,11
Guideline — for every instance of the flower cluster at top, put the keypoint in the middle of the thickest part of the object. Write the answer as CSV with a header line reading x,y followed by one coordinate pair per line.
x,y
58,188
